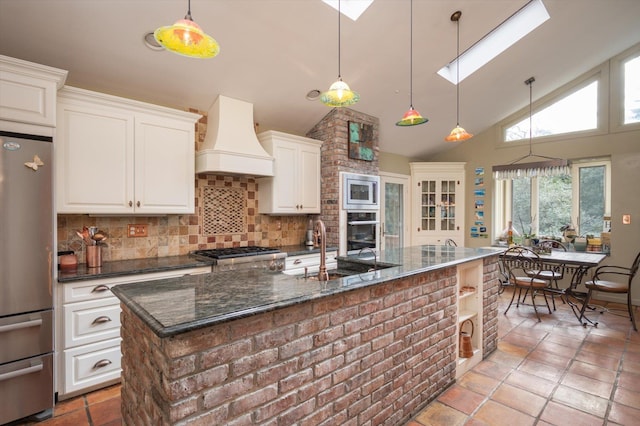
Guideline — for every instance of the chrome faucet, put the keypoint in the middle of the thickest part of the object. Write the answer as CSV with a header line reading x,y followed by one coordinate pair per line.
x,y
375,257
321,234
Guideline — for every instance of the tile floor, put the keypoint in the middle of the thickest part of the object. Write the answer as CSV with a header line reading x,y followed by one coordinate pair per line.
x,y
553,372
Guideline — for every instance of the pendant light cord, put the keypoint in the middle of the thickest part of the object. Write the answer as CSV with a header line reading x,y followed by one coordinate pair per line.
x,y
188,11
339,76
458,73
411,55
529,82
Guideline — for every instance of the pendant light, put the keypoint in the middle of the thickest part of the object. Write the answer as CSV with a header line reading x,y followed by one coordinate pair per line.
x,y
549,166
411,117
458,134
339,93
186,38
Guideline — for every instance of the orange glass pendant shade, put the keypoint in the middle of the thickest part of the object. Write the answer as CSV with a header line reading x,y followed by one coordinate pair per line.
x,y
458,134
411,118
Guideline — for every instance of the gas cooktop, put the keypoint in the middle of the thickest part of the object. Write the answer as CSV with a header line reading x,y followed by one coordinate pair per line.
x,y
229,253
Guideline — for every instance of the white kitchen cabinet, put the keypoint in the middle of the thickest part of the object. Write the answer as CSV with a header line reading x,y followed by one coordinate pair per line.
x,y
437,203
470,310
28,94
88,331
295,185
296,265
118,156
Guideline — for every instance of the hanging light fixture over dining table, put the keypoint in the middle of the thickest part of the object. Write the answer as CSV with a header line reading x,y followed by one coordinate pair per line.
x,y
547,166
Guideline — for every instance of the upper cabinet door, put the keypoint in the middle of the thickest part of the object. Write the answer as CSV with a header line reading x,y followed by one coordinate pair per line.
x,y
164,166
28,92
295,186
117,156
308,179
94,160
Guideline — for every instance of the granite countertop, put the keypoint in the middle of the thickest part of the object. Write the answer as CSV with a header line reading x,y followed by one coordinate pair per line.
x,y
297,250
119,268
218,297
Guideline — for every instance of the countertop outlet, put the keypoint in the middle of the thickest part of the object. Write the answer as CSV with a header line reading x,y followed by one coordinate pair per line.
x,y
138,230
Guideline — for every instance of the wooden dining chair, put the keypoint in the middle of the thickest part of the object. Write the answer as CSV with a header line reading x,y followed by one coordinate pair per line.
x,y
611,279
523,266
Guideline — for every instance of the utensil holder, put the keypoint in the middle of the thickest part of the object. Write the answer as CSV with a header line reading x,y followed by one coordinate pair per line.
x,y
94,256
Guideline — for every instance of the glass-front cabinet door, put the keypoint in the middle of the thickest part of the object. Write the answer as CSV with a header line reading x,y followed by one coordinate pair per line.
x,y
438,194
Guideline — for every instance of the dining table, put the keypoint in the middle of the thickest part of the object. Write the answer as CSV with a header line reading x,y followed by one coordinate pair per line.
x,y
577,264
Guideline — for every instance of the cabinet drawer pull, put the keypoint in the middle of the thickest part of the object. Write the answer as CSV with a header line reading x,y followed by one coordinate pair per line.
x,y
101,319
130,203
297,261
100,288
138,204
101,363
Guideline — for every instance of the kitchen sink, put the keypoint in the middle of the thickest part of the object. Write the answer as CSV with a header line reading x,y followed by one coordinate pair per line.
x,y
333,275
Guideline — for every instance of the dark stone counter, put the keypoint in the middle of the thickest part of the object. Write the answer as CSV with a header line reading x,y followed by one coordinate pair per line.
x,y
178,305
120,268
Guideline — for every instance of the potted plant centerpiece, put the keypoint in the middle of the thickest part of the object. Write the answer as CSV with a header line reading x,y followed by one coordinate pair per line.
x,y
528,235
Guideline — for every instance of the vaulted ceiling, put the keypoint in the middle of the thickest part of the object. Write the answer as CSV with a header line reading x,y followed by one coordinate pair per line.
x,y
275,51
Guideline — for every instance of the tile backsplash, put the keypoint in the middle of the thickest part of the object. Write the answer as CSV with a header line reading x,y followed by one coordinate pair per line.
x,y
179,234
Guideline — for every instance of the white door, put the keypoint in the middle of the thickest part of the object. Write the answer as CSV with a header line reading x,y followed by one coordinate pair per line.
x,y
394,210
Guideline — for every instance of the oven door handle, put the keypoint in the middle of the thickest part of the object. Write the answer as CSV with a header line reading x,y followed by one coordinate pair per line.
x,y
363,222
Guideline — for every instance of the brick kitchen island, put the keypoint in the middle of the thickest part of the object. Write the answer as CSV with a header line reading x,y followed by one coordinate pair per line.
x,y
261,348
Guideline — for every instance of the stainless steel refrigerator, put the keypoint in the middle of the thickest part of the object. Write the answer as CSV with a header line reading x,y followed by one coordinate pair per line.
x,y
26,280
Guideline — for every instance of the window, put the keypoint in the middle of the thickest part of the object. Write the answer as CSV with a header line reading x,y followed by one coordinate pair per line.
x,y
632,90
542,205
573,113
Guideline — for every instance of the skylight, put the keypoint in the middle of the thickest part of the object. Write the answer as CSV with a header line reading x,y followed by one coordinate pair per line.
x,y
518,25
350,8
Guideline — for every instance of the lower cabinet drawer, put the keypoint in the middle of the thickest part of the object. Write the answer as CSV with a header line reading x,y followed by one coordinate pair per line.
x,y
26,387
91,321
91,365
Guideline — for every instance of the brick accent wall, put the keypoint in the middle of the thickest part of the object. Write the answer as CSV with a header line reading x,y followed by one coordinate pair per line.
x,y
333,130
373,355
491,285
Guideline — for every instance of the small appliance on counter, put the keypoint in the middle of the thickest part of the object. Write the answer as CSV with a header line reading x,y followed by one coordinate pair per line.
x,y
309,240
67,260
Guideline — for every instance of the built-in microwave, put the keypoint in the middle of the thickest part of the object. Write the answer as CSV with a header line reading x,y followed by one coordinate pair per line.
x,y
360,192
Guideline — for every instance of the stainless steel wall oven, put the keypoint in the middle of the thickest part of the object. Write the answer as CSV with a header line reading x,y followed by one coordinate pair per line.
x,y
362,230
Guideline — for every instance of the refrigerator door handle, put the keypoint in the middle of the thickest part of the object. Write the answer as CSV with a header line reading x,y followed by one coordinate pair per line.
x,y
21,372
20,325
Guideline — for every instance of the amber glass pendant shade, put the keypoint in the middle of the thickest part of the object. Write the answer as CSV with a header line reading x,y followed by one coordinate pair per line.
x,y
186,38
458,134
339,95
411,118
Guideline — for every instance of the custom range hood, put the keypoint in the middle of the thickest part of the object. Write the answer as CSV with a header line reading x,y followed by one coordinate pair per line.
x,y
230,145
